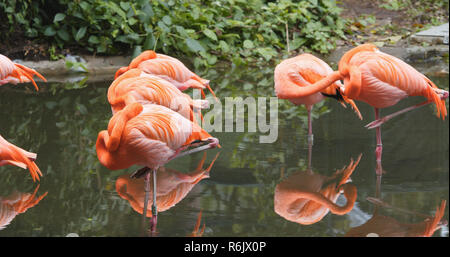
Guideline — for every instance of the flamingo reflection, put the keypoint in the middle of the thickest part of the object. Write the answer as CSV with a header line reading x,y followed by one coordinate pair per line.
x,y
172,187
17,203
306,197
383,226
196,232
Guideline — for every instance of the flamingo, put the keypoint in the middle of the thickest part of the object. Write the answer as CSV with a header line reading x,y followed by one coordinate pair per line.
x,y
13,155
16,203
306,197
381,80
14,73
137,86
168,68
149,135
292,76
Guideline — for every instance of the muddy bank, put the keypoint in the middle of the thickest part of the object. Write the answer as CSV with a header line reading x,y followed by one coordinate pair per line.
x,y
430,60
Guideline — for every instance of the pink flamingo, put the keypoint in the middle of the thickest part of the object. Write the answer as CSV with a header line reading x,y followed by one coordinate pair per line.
x,y
150,136
168,68
294,76
137,86
381,80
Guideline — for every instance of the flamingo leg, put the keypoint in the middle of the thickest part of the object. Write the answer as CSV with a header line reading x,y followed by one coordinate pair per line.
x,y
379,149
214,144
310,134
309,154
378,122
154,207
147,190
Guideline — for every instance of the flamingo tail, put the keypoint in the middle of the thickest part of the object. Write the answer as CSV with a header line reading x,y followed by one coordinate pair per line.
x,y
432,96
21,160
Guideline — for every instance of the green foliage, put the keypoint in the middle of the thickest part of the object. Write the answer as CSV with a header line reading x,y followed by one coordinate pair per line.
x,y
245,32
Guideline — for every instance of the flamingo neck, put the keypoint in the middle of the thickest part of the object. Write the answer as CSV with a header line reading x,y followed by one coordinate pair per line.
x,y
318,86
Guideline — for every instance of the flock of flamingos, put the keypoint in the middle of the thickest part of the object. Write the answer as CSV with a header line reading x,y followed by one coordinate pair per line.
x,y
154,122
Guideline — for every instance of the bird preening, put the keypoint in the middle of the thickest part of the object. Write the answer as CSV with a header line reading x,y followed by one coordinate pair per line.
x,y
369,75
153,120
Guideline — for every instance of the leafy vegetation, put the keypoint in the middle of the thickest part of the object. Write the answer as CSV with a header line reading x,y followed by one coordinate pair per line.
x,y
244,32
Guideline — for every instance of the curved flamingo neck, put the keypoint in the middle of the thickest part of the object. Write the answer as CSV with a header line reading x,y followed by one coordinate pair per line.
x,y
103,154
316,87
334,208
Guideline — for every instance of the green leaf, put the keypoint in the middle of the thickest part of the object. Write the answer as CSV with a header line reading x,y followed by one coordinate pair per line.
x,y
248,86
81,108
136,51
80,34
296,43
248,44
149,42
167,20
93,40
49,31
62,33
194,45
211,34
50,104
267,53
59,17
224,46
163,26
125,5
132,21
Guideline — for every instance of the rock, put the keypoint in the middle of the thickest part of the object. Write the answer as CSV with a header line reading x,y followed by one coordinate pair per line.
x,y
434,35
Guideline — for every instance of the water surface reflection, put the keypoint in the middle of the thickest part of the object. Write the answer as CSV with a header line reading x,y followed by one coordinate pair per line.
x,y
238,197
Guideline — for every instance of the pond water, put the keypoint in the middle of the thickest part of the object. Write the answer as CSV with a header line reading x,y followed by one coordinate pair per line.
x,y
237,196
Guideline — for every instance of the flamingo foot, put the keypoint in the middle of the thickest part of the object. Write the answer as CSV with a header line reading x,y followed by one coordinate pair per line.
x,y
377,123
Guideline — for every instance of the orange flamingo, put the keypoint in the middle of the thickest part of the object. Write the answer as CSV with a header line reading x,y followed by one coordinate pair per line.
x,y
168,68
150,136
381,80
133,87
14,73
13,155
292,76
305,197
15,204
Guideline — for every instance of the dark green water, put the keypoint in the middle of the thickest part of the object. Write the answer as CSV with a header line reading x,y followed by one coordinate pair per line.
x,y
62,121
